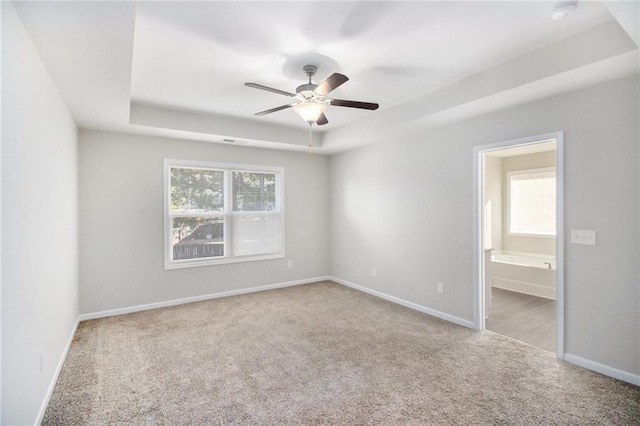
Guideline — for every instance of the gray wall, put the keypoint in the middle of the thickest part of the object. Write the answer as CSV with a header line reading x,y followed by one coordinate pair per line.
x,y
405,207
493,193
40,225
542,245
121,221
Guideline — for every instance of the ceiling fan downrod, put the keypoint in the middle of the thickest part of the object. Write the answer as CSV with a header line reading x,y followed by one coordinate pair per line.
x,y
310,71
307,90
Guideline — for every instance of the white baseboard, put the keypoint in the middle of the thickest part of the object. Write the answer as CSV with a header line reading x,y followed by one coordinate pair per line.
x,y
524,287
406,303
625,376
581,362
174,302
56,373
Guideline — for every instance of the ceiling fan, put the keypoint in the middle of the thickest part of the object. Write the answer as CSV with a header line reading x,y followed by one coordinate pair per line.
x,y
311,99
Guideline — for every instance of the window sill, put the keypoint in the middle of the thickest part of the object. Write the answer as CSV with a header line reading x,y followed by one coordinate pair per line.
x,y
168,265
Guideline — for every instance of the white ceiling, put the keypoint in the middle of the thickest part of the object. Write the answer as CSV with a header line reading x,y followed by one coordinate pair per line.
x,y
178,68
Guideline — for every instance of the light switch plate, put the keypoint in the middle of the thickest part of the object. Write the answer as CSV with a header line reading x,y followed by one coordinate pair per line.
x,y
582,236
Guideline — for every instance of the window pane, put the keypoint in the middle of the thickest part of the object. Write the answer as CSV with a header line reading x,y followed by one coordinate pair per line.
x,y
196,237
533,203
196,190
254,191
253,234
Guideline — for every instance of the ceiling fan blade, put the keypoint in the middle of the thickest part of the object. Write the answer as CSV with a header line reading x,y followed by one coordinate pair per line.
x,y
322,120
333,81
269,111
354,104
269,89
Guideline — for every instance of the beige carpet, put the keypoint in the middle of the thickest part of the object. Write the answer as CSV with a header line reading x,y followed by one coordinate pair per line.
x,y
319,354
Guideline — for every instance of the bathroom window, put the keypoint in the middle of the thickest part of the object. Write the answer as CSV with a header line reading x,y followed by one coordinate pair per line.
x,y
532,202
221,213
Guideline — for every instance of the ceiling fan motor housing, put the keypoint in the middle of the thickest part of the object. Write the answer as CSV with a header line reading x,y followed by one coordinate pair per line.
x,y
307,90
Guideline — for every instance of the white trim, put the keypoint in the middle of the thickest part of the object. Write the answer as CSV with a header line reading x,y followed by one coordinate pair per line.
x,y
56,373
479,297
1,133
581,362
560,302
478,249
190,263
174,302
451,318
625,376
226,214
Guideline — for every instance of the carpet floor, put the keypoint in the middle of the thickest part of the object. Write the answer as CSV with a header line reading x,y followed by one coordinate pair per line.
x,y
319,354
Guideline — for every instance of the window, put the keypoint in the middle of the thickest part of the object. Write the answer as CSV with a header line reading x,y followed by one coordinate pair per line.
x,y
532,202
222,213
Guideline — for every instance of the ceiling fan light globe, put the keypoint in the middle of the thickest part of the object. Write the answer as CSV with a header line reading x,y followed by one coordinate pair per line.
x,y
310,111
564,9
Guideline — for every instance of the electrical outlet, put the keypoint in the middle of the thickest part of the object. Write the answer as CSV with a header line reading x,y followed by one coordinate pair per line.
x,y
374,272
441,288
289,264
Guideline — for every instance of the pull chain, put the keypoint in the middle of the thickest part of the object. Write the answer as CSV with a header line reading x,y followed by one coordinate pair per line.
x,y
310,146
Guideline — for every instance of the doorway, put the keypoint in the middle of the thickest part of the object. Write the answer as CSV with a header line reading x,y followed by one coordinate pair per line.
x,y
518,240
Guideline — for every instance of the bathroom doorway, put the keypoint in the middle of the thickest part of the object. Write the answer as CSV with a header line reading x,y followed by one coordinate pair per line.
x,y
518,236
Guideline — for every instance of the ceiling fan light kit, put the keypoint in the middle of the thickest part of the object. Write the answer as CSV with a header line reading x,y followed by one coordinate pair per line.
x,y
564,9
312,107
310,111
312,100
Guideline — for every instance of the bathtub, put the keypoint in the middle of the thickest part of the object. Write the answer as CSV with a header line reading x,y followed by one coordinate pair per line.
x,y
528,273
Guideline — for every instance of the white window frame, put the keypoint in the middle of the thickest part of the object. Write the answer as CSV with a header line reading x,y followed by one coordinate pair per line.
x,y
227,213
525,172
